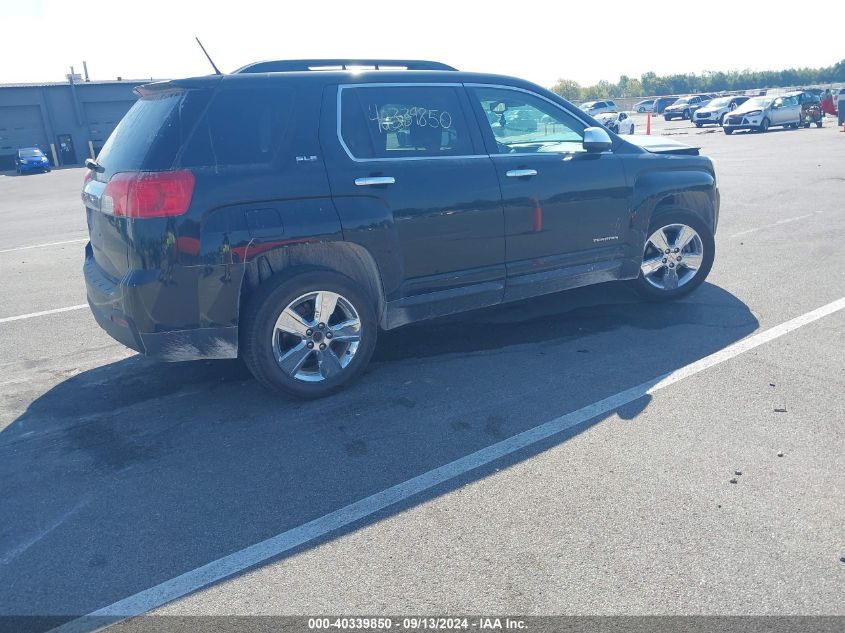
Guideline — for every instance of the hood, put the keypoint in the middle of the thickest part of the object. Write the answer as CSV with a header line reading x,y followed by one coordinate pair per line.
x,y
678,106
742,109
661,145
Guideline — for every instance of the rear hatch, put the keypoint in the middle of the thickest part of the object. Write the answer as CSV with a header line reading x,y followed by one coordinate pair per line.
x,y
146,140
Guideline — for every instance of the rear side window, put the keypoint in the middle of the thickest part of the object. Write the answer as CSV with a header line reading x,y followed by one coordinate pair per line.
x,y
241,127
150,134
403,122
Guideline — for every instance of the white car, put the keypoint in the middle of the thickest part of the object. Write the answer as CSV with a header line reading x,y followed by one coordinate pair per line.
x,y
715,111
618,122
760,113
598,107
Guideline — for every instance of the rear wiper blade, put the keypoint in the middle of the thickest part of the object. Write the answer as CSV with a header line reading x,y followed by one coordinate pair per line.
x,y
94,166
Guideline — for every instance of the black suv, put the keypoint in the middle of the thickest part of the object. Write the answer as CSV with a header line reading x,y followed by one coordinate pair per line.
x,y
286,212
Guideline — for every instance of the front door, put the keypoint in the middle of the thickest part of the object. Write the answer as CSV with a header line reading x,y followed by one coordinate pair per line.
x,y
66,152
566,210
410,170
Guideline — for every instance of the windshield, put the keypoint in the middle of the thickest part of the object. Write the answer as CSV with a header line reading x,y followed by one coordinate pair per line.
x,y
719,103
588,105
681,101
30,153
758,102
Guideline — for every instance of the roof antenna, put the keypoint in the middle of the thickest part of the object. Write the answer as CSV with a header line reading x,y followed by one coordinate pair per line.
x,y
216,70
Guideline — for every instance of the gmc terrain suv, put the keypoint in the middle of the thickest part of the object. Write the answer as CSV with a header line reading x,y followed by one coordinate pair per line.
x,y
286,212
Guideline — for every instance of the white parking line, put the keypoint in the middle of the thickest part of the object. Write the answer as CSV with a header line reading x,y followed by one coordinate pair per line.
x,y
24,248
773,224
42,313
241,560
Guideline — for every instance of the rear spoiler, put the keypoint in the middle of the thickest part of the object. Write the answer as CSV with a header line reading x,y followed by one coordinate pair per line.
x,y
168,85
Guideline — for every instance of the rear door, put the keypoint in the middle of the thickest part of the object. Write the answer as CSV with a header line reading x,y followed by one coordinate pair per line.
x,y
566,210
410,179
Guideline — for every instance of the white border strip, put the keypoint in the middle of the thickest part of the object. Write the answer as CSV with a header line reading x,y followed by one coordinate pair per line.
x,y
31,315
25,248
239,561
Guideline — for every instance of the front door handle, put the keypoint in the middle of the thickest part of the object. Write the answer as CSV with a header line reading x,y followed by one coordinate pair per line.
x,y
375,180
520,173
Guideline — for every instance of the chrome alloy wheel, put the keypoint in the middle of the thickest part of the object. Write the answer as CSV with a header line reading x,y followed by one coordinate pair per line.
x,y
316,336
672,256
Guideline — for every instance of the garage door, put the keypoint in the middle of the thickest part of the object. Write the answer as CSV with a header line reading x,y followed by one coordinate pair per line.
x,y
102,118
20,126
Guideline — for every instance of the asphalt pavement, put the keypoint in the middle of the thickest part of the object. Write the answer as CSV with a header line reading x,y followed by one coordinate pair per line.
x,y
118,474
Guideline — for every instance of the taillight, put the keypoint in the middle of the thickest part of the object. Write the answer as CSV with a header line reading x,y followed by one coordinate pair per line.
x,y
148,194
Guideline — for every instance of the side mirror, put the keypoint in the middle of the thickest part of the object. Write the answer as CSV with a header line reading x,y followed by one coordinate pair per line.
x,y
596,139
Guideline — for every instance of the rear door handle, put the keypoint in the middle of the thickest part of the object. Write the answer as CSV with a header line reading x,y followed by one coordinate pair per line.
x,y
520,173
375,180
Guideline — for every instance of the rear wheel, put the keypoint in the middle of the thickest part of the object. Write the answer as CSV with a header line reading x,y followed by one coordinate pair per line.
x,y
309,334
677,256
687,115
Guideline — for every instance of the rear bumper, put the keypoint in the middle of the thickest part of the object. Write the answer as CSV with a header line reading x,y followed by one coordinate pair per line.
x,y
111,304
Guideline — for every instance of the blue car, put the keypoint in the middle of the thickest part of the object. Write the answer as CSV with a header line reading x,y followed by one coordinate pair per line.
x,y
31,159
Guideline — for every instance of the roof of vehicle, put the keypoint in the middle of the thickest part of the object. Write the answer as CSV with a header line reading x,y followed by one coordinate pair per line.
x,y
332,77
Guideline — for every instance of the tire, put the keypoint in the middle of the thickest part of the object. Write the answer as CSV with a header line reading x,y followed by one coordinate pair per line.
x,y
806,125
818,124
657,286
722,121
764,125
667,118
698,124
261,341
686,116
727,131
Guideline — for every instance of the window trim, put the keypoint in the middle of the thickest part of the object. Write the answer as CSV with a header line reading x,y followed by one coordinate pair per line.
x,y
532,93
469,120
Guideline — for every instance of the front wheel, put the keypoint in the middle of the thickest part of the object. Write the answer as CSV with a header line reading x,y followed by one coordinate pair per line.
x,y
727,130
698,124
677,256
818,124
764,126
667,118
687,115
308,334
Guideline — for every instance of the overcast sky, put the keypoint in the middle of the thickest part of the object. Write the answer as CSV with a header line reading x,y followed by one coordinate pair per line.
x,y
538,40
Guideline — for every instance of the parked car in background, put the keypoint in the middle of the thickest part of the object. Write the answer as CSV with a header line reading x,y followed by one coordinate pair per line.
x,y
646,105
29,159
599,107
661,103
760,113
618,122
714,112
684,107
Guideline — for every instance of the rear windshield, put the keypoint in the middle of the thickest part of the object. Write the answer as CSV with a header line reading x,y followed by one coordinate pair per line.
x,y
150,135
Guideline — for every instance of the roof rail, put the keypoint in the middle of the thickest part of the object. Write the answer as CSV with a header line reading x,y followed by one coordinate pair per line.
x,y
293,65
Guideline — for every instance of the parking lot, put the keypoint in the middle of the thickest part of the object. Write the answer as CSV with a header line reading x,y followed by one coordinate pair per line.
x,y
523,459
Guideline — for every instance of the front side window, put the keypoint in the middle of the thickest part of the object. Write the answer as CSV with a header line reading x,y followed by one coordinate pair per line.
x,y
380,122
525,123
